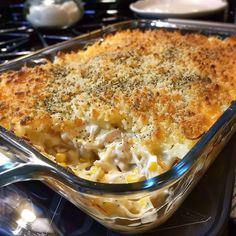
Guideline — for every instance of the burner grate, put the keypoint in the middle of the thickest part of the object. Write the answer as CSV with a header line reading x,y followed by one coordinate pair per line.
x,y
19,38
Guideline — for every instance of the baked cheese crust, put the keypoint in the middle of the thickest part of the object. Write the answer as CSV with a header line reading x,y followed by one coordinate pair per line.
x,y
126,108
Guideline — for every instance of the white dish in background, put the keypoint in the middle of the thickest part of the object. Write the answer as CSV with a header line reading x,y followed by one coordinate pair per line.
x,y
177,8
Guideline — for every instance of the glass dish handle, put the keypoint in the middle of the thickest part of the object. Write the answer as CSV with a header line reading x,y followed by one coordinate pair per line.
x,y
17,163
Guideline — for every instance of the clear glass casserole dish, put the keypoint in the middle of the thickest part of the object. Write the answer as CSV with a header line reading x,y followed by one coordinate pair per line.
x,y
110,204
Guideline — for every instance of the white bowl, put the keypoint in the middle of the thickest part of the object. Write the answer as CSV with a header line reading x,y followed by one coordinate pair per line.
x,y
177,8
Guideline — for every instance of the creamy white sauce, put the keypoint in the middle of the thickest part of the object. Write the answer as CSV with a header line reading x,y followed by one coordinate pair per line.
x,y
119,159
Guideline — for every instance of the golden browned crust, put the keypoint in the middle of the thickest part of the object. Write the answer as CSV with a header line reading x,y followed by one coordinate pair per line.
x,y
156,84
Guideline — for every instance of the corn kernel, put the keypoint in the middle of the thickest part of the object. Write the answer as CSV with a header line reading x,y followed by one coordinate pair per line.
x,y
132,178
19,131
143,202
98,171
61,157
7,126
93,169
152,166
109,207
135,171
63,164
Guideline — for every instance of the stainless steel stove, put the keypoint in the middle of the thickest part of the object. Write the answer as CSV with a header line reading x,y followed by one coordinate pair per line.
x,y
31,208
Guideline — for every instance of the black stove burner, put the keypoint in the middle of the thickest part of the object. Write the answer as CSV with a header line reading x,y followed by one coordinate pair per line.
x,y
18,38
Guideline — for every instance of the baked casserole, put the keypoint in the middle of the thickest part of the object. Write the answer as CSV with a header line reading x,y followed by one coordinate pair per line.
x,y
126,108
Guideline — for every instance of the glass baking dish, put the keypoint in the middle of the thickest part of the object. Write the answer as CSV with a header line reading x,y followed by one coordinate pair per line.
x,y
107,203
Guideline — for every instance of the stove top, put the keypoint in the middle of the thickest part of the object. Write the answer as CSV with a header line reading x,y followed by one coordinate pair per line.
x,y
31,208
